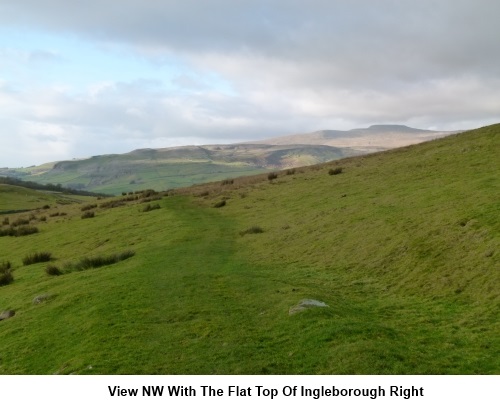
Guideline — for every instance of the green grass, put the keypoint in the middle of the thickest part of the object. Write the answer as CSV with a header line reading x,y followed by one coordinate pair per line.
x,y
403,247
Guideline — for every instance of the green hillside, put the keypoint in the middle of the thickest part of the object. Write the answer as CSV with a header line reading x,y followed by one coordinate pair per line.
x,y
18,199
402,246
162,169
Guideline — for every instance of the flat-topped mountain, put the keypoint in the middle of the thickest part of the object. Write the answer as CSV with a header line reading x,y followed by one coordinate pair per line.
x,y
371,139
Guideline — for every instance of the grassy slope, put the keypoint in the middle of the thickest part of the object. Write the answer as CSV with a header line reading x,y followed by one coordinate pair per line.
x,y
21,198
403,246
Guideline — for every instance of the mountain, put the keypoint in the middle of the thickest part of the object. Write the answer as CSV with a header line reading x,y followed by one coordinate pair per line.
x,y
401,246
166,168
371,139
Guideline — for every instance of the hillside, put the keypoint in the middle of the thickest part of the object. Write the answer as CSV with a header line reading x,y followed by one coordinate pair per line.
x,y
18,199
167,168
402,246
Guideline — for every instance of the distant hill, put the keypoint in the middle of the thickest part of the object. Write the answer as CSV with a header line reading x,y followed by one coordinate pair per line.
x,y
167,168
372,139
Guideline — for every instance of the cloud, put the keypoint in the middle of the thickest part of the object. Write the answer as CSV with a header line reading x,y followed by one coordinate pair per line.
x,y
253,69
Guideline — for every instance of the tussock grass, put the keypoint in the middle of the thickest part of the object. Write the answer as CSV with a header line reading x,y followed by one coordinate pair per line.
x,y
6,276
19,231
53,270
335,171
252,230
151,207
88,207
88,214
38,257
220,204
99,261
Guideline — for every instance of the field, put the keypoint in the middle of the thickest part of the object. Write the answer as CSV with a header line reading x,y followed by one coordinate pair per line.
x,y
402,246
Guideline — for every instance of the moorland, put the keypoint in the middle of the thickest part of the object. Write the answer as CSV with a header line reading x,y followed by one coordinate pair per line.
x,y
401,246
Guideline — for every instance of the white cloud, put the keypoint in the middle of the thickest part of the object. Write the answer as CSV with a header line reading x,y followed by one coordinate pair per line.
x,y
250,69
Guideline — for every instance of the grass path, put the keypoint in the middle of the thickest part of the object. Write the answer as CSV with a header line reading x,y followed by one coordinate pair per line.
x,y
190,302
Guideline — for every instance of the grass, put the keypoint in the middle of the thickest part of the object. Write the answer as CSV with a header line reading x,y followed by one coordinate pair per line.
x,y
38,257
6,273
404,247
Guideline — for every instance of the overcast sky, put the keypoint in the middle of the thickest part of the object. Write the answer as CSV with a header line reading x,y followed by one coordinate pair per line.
x,y
94,77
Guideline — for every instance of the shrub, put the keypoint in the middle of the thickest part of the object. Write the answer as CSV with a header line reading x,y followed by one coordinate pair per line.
x,y
43,218
5,221
227,182
272,176
38,257
52,270
333,172
46,207
253,229
220,204
290,172
54,214
88,214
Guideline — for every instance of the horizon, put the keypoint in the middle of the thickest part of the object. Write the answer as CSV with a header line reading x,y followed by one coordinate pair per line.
x,y
230,143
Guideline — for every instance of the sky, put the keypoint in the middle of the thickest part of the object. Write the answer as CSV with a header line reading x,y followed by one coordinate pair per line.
x,y
79,79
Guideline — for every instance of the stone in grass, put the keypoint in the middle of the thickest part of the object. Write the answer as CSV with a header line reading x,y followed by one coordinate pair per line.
x,y
7,314
305,304
42,298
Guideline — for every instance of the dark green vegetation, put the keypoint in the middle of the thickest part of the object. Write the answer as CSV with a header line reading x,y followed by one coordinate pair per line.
x,y
403,247
162,169
38,257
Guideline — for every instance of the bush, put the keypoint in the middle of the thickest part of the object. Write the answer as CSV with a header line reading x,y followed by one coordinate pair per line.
x,y
253,229
88,214
52,270
335,171
272,176
38,257
220,204
290,172
227,182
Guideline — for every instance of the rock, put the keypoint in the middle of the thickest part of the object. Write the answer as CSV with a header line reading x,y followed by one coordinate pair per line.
x,y
7,314
305,304
42,298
